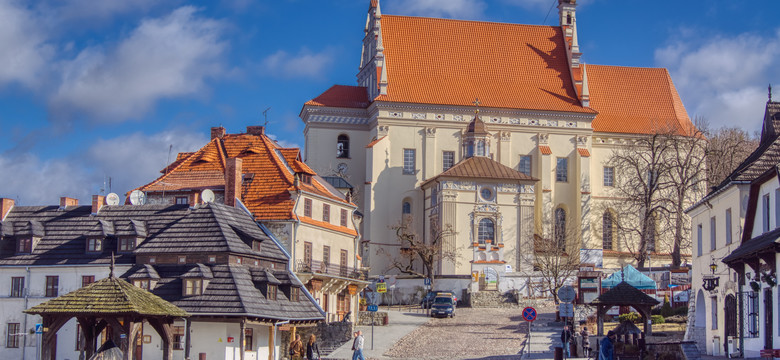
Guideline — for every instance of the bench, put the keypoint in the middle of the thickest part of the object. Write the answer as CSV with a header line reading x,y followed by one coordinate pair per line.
x,y
770,353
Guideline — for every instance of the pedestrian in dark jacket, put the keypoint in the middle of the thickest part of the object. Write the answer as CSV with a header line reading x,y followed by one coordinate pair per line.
x,y
312,349
566,336
607,349
585,341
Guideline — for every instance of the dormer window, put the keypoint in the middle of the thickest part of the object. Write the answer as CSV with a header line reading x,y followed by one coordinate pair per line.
x,y
272,289
295,293
94,245
126,244
142,283
193,287
24,245
306,178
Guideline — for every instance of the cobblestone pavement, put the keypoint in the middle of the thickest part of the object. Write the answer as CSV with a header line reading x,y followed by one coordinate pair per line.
x,y
471,334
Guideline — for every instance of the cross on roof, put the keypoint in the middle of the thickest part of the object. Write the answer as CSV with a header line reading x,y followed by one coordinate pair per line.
x,y
476,103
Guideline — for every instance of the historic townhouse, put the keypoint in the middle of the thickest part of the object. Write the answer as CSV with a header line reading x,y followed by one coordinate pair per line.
x,y
211,260
533,160
313,220
733,226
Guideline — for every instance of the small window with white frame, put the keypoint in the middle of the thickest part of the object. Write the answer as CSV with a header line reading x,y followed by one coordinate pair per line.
x,y
410,161
609,176
562,169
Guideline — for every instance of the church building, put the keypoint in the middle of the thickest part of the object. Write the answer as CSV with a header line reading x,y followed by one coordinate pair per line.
x,y
495,130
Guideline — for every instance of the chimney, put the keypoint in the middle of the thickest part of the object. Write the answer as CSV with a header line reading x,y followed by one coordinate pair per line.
x,y
233,180
194,199
217,132
255,130
5,207
97,202
66,201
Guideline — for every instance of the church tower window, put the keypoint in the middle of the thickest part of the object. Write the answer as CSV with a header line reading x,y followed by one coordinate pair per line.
x,y
342,146
486,231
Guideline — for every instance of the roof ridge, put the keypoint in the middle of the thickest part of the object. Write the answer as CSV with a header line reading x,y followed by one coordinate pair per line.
x,y
466,20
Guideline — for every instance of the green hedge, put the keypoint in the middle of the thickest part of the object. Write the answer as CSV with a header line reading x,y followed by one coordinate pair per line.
x,y
657,319
633,317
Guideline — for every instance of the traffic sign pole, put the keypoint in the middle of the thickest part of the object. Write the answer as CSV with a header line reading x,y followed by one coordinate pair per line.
x,y
529,315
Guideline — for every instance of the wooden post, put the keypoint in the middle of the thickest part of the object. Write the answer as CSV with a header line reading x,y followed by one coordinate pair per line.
x,y
163,327
271,343
600,318
88,326
187,326
51,324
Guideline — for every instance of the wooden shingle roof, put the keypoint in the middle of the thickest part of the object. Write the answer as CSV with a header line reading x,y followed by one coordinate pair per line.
x,y
624,294
109,296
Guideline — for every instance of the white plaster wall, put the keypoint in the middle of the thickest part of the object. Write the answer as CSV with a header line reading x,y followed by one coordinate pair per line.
x,y
211,338
11,308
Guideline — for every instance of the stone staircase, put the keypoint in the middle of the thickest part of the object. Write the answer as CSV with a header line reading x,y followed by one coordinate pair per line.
x,y
690,350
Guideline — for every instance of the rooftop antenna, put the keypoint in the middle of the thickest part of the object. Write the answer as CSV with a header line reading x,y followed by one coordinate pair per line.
x,y
770,92
265,116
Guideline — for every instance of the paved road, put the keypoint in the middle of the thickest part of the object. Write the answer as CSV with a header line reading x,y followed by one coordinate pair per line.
x,y
402,322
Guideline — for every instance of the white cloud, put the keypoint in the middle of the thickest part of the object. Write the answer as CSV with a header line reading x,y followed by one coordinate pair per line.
x,y
305,64
459,9
724,79
165,57
90,12
130,160
24,50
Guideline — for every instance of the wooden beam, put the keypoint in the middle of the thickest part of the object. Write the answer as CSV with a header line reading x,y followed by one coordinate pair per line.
x,y
88,327
52,324
164,328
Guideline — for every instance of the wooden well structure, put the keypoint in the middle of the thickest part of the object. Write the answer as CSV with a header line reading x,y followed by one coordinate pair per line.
x,y
110,302
623,294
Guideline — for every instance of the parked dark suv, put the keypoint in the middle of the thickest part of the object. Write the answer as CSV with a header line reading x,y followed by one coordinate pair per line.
x,y
443,306
427,300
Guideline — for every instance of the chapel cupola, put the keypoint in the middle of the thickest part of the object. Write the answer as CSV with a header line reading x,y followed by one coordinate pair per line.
x,y
476,139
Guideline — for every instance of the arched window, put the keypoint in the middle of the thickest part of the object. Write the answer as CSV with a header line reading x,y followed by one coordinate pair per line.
x,y
607,224
342,147
406,208
560,227
486,231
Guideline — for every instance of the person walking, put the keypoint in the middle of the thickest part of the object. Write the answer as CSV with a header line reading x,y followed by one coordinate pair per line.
x,y
312,349
606,348
585,341
296,348
566,336
357,345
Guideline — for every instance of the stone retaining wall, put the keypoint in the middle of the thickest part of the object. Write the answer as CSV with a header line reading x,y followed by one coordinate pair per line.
x,y
494,299
380,318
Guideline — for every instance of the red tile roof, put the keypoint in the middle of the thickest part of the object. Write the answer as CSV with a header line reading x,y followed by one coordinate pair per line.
x,y
343,96
266,194
545,150
583,152
371,144
635,100
452,62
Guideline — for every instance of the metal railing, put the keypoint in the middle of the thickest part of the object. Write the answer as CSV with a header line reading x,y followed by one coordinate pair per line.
x,y
319,267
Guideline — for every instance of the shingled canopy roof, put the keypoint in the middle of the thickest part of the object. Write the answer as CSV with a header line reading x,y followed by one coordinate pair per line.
x,y
624,294
110,302
109,296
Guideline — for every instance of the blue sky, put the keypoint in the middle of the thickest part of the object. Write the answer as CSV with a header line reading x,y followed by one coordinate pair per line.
x,y
96,89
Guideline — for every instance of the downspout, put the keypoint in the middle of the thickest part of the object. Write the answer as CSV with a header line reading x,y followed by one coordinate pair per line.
x,y
26,301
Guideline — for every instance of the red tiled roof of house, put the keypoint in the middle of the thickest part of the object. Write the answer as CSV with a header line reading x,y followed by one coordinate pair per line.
x,y
266,193
343,96
636,100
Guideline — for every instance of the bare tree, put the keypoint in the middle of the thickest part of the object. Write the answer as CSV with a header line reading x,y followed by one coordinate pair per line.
x,y
687,178
429,252
641,179
727,147
555,261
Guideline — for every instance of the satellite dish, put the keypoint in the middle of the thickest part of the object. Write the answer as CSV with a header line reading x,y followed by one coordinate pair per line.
x,y
207,196
112,199
137,197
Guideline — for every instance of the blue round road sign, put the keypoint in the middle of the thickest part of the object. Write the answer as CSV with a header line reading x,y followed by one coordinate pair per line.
x,y
529,314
